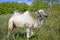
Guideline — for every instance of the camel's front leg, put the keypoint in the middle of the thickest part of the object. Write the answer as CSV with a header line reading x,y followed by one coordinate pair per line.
x,y
28,32
28,28
31,32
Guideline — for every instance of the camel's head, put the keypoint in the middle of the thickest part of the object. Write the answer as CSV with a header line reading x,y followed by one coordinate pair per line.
x,y
39,21
43,13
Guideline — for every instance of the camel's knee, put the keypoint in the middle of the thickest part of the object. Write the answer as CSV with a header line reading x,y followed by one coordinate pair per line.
x,y
28,32
31,31
27,35
9,29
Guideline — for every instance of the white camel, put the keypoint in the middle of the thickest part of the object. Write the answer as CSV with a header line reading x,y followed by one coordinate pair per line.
x,y
24,20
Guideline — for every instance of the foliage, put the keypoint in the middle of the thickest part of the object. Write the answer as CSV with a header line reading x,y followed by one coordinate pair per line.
x,y
9,7
37,6
55,7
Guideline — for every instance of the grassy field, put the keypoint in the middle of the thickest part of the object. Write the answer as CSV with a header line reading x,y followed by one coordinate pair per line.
x,y
50,30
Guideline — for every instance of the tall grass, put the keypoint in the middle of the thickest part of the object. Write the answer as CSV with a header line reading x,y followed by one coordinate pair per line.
x,y
50,30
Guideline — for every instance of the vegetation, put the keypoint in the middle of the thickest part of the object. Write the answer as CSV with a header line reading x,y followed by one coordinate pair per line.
x,y
9,7
6,8
50,30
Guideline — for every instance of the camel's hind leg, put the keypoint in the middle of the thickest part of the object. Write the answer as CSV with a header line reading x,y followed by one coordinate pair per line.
x,y
10,28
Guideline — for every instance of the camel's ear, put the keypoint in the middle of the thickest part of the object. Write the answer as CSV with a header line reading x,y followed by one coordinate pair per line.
x,y
36,12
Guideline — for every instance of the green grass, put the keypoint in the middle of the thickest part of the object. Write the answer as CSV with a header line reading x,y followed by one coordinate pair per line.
x,y
50,30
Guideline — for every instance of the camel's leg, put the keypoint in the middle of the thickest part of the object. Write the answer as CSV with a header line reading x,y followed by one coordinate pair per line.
x,y
10,28
31,32
28,32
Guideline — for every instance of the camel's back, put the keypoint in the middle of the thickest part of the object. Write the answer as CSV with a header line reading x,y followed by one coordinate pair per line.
x,y
21,19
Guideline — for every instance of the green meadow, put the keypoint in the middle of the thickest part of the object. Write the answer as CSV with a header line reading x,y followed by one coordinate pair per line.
x,y
49,30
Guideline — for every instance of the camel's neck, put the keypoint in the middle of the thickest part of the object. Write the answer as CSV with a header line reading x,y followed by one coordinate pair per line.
x,y
38,22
